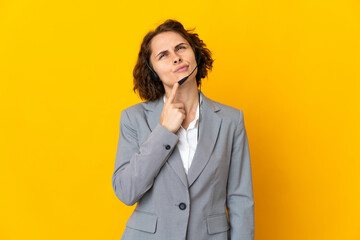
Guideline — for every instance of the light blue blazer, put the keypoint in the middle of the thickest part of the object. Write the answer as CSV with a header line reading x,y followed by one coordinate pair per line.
x,y
214,201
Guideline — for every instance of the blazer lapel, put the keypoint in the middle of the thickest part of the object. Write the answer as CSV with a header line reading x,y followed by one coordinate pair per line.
x,y
154,112
209,125
176,164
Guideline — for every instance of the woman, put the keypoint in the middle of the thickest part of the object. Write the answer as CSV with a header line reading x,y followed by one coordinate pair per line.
x,y
183,158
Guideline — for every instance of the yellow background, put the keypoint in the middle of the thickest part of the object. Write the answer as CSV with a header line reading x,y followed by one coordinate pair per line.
x,y
66,73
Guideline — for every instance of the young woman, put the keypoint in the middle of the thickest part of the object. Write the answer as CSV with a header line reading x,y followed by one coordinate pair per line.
x,y
183,158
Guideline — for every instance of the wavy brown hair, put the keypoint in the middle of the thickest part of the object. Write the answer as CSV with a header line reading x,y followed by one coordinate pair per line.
x,y
150,89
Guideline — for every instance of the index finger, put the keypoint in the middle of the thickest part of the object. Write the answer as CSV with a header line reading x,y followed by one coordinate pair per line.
x,y
173,92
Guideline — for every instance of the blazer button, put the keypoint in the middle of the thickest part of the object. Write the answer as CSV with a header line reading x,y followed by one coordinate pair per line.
x,y
167,147
182,206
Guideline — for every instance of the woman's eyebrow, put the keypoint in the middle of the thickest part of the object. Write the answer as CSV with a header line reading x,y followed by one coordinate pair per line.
x,y
166,50
179,44
161,53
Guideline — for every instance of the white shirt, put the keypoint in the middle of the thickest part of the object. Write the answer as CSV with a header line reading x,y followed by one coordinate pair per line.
x,y
188,140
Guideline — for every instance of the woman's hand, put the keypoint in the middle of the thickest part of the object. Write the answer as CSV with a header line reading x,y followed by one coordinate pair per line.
x,y
173,114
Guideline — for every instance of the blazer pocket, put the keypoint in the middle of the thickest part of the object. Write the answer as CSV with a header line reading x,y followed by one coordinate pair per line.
x,y
217,224
142,221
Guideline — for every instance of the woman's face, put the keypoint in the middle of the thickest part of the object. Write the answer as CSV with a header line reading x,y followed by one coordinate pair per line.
x,y
172,58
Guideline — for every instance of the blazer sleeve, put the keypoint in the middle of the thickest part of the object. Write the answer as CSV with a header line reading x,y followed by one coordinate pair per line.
x,y
240,200
136,166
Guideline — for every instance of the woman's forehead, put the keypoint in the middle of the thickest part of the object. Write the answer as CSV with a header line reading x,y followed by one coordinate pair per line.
x,y
165,41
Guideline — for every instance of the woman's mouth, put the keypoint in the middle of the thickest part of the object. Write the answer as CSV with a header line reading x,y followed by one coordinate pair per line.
x,y
182,69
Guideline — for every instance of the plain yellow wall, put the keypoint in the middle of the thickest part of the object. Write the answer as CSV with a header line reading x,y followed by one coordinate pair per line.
x,y
66,74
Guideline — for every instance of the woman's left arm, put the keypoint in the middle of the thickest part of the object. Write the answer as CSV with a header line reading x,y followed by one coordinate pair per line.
x,y
240,200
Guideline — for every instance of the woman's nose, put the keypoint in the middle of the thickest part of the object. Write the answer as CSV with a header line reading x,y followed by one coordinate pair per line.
x,y
177,59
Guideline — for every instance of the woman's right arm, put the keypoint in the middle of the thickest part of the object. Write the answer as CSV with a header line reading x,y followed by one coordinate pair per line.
x,y
137,166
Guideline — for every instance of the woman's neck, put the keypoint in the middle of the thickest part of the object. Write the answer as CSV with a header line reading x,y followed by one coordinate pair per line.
x,y
187,94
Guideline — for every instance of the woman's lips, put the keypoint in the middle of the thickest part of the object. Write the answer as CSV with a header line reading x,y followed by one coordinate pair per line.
x,y
182,69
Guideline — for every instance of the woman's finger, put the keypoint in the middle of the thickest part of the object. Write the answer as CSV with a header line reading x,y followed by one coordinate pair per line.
x,y
173,93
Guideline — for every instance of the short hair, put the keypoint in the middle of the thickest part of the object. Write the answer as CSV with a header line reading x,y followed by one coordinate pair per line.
x,y
145,84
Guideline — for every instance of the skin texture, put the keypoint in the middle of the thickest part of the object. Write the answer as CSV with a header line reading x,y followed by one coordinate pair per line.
x,y
169,51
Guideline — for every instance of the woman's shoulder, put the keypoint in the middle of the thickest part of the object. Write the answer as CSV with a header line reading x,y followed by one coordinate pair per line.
x,y
139,109
227,111
135,109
